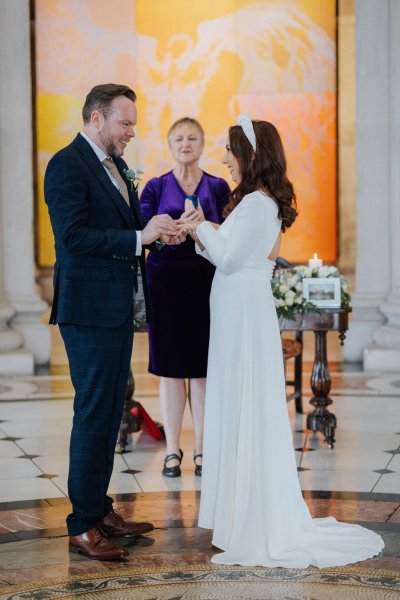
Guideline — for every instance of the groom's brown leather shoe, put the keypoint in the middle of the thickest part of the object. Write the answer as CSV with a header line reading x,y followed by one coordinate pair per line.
x,y
94,545
113,525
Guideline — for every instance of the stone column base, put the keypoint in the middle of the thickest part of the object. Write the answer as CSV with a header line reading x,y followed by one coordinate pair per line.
x,y
378,358
36,340
18,362
366,318
36,334
358,338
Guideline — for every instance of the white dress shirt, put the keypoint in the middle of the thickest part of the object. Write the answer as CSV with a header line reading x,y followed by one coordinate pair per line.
x,y
101,155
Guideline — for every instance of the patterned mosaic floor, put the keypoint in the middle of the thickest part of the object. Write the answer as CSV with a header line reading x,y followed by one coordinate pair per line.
x,y
214,583
357,481
36,412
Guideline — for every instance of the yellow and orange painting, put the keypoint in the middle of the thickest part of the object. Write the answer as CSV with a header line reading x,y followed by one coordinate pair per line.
x,y
212,60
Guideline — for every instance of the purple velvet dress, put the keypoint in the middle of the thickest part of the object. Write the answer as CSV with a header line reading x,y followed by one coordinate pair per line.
x,y
179,281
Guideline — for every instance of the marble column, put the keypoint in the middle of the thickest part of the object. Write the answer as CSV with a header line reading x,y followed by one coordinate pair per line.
x,y
13,357
384,352
346,135
22,305
374,163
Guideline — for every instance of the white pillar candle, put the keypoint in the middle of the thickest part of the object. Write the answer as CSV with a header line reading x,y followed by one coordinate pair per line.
x,y
315,263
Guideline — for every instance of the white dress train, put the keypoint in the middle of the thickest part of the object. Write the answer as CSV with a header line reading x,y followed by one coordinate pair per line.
x,y
251,495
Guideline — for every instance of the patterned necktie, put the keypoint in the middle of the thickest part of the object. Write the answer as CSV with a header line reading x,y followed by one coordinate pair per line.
x,y
110,164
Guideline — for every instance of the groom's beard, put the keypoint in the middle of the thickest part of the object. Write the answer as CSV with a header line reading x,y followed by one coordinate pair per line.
x,y
110,147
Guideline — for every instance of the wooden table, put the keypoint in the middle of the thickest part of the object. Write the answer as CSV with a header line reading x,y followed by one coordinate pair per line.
x,y
329,319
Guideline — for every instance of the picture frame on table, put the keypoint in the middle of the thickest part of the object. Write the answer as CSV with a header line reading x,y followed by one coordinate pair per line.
x,y
324,292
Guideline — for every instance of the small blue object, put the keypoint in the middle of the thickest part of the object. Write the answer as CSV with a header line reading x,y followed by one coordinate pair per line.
x,y
194,199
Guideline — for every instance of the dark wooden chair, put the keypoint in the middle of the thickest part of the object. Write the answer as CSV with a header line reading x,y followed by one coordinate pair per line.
x,y
293,348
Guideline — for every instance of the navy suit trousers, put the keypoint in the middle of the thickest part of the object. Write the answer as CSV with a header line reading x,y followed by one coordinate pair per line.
x,y
99,360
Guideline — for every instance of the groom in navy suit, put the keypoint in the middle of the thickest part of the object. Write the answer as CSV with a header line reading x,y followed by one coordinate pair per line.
x,y
99,241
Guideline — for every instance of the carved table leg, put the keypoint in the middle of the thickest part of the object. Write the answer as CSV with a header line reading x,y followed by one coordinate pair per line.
x,y
298,375
321,419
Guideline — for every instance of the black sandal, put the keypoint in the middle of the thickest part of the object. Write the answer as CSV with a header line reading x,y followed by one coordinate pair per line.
x,y
173,471
197,468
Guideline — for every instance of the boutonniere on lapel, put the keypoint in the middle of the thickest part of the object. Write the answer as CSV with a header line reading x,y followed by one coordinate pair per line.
x,y
132,176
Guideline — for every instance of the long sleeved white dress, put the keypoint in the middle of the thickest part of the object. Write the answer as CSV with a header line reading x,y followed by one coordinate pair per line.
x,y
251,495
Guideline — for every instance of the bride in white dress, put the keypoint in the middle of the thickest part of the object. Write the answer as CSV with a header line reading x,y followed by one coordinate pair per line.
x,y
251,496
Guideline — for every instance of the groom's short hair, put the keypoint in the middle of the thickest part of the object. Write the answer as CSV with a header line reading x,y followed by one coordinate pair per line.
x,y
101,96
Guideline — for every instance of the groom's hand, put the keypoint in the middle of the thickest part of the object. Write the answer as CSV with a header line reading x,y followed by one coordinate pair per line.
x,y
174,240
157,227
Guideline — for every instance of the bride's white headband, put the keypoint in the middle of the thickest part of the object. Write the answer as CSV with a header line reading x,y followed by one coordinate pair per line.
x,y
247,125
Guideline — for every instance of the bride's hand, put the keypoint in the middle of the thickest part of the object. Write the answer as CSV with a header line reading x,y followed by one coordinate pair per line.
x,y
191,213
188,227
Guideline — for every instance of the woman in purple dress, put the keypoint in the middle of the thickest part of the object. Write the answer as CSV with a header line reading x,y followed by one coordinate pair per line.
x,y
179,283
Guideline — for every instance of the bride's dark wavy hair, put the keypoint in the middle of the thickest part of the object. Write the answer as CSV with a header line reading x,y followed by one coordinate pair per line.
x,y
263,170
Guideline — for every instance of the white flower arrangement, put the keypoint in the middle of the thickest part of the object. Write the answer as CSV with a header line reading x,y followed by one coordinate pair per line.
x,y
287,288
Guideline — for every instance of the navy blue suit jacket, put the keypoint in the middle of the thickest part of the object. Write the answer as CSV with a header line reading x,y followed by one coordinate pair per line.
x,y
95,239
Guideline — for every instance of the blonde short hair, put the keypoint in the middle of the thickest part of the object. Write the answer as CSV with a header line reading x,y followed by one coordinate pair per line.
x,y
185,121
